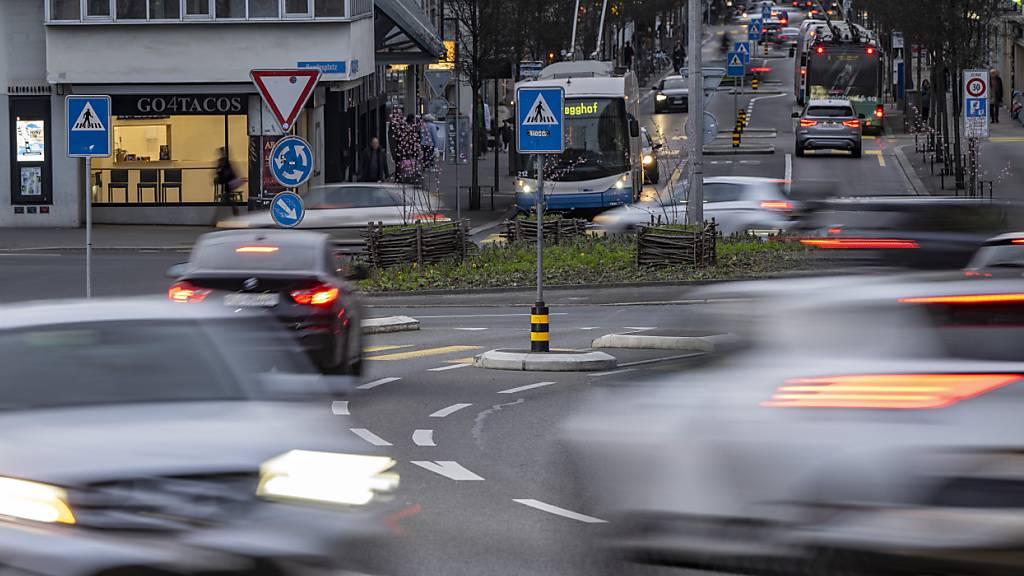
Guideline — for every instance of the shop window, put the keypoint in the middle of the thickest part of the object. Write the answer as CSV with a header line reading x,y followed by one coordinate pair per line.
x,y
30,150
230,9
97,8
293,8
164,9
65,9
142,143
264,8
131,9
197,8
330,8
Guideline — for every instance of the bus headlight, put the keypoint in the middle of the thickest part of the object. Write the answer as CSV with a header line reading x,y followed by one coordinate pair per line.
x,y
523,187
661,97
648,159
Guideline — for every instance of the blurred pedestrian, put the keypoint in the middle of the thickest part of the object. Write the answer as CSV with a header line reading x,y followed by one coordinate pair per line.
x,y
506,134
996,94
373,163
926,99
678,57
227,182
627,56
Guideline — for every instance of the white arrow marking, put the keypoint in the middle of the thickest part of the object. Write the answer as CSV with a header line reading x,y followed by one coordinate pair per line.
x,y
376,383
448,469
370,437
559,511
449,410
287,209
340,408
423,438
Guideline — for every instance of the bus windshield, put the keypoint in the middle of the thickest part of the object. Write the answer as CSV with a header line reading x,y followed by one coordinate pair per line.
x,y
596,142
839,73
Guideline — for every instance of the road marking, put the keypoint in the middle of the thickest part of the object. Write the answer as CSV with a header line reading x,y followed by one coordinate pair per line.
x,y
662,359
450,316
789,173
448,469
527,387
449,410
640,328
1007,139
544,507
423,438
376,383
370,437
466,360
470,329
385,348
421,353
610,372
449,367
13,254
878,154
589,327
339,408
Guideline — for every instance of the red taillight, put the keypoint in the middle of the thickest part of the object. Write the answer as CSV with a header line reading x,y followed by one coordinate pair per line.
x,y
851,123
886,391
256,249
965,299
871,50
803,71
835,230
762,69
186,292
879,111
805,123
859,243
784,21
776,205
319,296
1017,241
976,274
819,49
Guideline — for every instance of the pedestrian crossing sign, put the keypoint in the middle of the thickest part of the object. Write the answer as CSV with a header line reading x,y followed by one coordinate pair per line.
x,y
540,119
88,126
735,68
744,50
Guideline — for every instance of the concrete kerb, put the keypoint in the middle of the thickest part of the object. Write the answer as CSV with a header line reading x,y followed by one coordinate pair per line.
x,y
585,361
908,171
689,343
390,324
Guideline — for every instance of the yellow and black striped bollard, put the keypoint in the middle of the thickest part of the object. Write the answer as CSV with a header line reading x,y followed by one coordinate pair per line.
x,y
540,338
736,138
755,83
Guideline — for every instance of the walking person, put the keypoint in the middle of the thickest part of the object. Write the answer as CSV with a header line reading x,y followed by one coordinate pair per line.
x,y
926,99
627,56
678,57
373,163
995,84
227,182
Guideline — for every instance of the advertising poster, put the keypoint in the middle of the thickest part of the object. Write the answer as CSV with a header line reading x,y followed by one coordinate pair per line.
x,y
31,140
32,181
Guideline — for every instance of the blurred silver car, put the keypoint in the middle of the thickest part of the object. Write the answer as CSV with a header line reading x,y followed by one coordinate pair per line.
x,y
148,438
738,204
829,124
864,426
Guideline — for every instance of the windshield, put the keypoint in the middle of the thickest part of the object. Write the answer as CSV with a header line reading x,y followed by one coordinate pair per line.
x,y
1003,255
839,73
674,84
136,361
829,111
231,256
338,197
596,142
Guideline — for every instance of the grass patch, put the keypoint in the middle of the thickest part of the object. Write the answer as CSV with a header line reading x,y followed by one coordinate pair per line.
x,y
586,260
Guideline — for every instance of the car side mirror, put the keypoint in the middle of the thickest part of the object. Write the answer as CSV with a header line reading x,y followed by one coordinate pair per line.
x,y
177,271
796,114
356,271
861,116
634,128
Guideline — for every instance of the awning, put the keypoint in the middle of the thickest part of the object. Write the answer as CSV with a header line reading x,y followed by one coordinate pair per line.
x,y
404,34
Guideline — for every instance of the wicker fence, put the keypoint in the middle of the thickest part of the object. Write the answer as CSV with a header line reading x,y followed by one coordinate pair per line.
x,y
555,230
421,243
665,246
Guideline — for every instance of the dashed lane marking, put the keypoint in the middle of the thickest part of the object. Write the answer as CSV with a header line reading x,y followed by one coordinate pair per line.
x,y
423,438
524,388
449,410
610,372
339,408
422,353
376,383
550,509
470,329
448,469
449,367
386,348
640,328
877,154
452,316
370,437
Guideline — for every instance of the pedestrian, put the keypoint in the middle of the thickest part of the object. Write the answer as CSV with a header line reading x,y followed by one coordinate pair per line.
x,y
227,183
426,143
627,56
506,134
679,57
996,99
926,99
373,164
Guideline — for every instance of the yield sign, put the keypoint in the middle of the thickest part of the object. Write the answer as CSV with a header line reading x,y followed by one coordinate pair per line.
x,y
285,91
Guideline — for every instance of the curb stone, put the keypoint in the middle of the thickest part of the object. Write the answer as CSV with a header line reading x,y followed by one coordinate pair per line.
x,y
545,361
690,343
390,324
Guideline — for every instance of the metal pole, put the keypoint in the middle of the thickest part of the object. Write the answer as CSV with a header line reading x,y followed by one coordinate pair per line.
x,y
575,17
540,338
458,116
600,29
695,196
88,227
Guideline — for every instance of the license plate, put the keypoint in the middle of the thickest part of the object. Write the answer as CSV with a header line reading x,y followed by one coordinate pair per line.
x,y
247,299
677,100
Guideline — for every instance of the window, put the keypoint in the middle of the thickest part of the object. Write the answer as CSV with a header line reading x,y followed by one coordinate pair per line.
x,y
164,9
264,8
197,8
230,8
97,8
65,9
296,8
329,8
715,192
131,9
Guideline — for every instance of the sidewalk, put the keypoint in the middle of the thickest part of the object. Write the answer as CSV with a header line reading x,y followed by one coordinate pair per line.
x,y
457,179
104,237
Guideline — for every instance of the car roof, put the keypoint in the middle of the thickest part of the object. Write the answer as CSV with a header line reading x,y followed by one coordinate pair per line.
x,y
1007,236
829,102
57,312
275,235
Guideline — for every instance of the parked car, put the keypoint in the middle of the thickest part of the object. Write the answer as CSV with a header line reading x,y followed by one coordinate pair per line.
x,y
829,124
652,171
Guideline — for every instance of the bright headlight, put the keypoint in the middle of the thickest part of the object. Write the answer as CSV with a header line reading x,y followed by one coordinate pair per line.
x,y
648,159
34,501
326,477
661,97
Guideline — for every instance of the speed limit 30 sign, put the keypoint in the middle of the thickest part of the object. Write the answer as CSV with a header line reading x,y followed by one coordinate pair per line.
x,y
976,103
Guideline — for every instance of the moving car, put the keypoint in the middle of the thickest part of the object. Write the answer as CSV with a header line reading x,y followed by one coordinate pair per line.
x,y
144,437
343,210
738,204
294,275
672,93
862,426
1002,256
829,124
652,172
787,36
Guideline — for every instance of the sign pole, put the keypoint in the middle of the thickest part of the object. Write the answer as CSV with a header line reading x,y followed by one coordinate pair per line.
x,y
88,226
540,338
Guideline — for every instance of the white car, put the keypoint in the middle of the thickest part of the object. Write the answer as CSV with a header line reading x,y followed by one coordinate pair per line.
x,y
344,210
738,204
862,426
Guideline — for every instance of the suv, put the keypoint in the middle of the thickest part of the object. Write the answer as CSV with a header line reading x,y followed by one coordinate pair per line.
x,y
829,124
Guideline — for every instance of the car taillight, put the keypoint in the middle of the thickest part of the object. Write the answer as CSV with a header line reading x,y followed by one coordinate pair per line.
x,y
871,50
965,299
976,274
851,123
776,205
805,123
859,243
319,296
886,391
256,249
761,69
803,70
1017,241
187,292
879,111
430,218
819,49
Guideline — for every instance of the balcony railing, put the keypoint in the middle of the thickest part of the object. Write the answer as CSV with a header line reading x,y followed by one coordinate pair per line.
x,y
203,11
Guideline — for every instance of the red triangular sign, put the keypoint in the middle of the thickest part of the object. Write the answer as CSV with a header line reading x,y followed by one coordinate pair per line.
x,y
285,91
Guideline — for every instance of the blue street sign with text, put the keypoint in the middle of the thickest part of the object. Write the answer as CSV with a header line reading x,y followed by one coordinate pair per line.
x,y
744,49
287,209
754,30
88,126
735,67
540,120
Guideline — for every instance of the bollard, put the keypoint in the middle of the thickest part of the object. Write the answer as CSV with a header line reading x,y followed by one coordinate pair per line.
x,y
754,83
736,138
540,338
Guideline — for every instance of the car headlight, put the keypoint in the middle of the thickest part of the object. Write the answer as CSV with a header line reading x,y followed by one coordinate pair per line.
x,y
326,477
648,159
661,97
34,501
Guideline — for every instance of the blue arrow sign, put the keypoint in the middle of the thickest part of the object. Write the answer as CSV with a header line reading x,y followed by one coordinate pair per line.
x,y
540,120
287,209
291,161
88,126
744,50
734,65
754,30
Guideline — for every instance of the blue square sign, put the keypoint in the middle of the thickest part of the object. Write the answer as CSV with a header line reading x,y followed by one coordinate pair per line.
x,y
755,28
88,126
976,107
734,65
744,50
540,120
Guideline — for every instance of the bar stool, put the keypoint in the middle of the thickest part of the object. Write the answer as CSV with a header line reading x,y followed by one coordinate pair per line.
x,y
172,179
148,179
118,181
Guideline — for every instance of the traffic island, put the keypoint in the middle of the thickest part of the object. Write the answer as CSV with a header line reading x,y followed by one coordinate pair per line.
x,y
524,360
390,324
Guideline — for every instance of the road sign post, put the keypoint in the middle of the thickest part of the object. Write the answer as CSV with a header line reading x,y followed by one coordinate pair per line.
x,y
540,120
88,136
